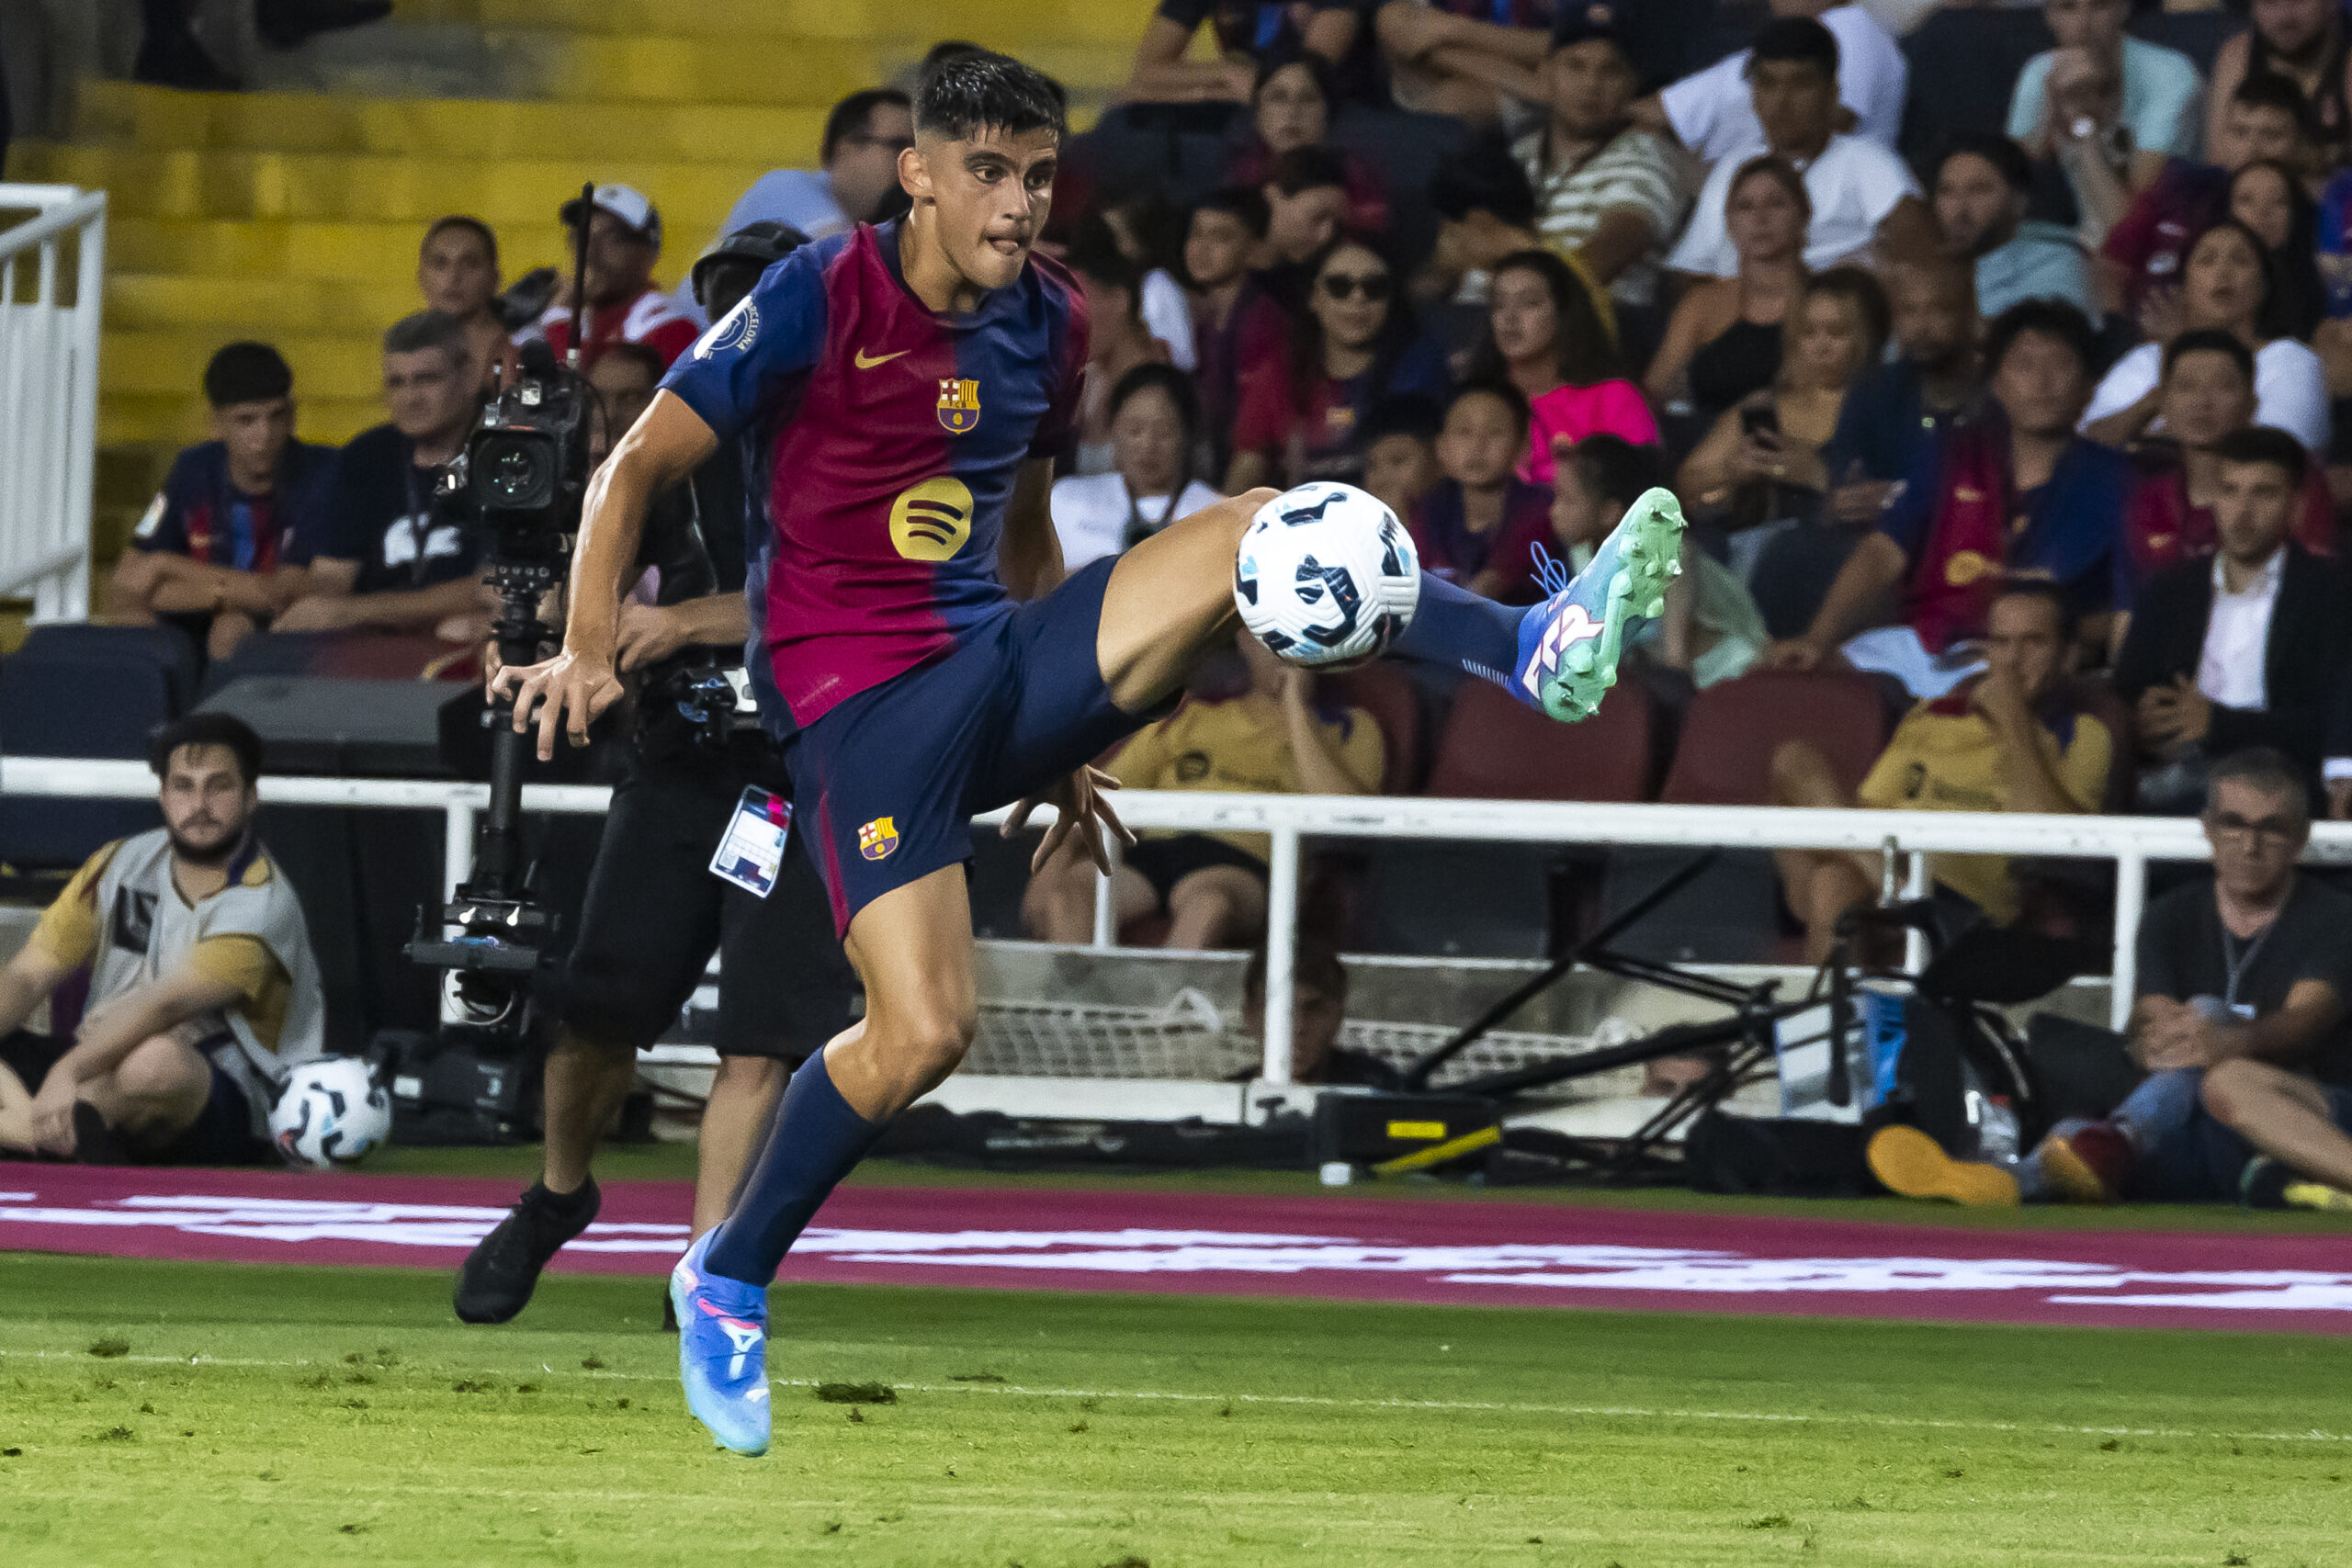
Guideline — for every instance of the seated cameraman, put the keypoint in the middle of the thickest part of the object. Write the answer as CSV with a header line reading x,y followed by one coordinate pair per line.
x,y
388,561
2243,983
656,906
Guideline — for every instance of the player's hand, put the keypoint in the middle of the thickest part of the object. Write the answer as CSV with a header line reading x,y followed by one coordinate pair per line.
x,y
1079,809
567,693
648,635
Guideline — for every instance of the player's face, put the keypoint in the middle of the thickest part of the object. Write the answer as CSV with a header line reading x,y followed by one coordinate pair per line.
x,y
256,434
206,803
1974,206
1217,249
456,274
988,197
2205,396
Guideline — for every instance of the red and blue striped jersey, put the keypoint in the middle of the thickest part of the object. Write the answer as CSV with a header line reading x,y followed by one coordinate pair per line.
x,y
888,437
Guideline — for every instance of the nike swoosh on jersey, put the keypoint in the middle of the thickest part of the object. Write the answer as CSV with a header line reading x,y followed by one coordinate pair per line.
x,y
863,363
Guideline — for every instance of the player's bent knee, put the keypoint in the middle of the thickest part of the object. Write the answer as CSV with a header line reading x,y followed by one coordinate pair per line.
x,y
161,1070
2231,1089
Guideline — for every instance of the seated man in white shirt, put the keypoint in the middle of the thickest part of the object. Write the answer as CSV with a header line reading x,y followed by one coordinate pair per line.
x,y
1863,196
1710,113
1155,429
2248,649
858,168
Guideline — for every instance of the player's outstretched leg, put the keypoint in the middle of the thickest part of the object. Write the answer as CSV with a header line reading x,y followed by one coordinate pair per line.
x,y
1560,656
912,946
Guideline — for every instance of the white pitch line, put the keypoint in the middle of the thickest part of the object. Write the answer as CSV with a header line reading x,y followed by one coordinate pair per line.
x,y
1467,1406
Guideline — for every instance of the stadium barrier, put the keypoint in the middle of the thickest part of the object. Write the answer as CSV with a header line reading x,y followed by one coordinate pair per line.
x,y
49,395
1904,837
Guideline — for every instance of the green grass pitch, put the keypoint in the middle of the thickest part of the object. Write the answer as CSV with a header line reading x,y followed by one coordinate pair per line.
x,y
183,1415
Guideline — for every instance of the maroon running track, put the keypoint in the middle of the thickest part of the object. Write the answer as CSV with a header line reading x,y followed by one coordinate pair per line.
x,y
1381,1249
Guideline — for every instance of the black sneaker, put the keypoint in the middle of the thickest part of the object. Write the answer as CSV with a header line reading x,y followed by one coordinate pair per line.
x,y
94,1143
496,1280
669,1310
2263,1183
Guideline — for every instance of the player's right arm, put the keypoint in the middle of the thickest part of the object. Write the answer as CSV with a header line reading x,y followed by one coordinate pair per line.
x,y
734,375
568,692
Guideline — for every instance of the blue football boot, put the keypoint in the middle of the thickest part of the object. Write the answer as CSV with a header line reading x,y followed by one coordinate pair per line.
x,y
1569,645
722,1351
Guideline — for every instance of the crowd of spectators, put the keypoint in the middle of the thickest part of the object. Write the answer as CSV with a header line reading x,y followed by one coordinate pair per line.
x,y
2031,418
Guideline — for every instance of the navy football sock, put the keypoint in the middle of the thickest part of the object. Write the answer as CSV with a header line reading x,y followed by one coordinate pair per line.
x,y
1454,627
815,1141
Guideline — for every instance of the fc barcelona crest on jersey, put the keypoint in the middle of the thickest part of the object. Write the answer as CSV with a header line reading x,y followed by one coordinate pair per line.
x,y
959,406
879,837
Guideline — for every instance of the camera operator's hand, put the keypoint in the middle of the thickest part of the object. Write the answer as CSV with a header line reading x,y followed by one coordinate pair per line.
x,y
648,634
565,693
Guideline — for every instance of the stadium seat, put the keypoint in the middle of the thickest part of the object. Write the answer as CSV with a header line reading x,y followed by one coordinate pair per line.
x,y
1728,737
1394,703
96,692
1962,65
1496,747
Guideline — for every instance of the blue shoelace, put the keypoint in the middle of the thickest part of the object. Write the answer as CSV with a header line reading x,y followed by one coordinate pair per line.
x,y
1551,575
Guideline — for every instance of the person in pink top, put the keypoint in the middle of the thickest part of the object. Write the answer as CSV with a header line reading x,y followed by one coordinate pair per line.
x,y
1543,337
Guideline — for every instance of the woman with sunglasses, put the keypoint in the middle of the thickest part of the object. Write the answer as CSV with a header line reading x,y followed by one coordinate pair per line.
x,y
1543,337
1291,106
1302,410
2225,283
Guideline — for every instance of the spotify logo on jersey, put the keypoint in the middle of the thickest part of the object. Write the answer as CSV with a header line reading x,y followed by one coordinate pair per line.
x,y
931,521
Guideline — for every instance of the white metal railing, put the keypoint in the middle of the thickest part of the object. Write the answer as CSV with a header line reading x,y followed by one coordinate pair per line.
x,y
49,395
1287,820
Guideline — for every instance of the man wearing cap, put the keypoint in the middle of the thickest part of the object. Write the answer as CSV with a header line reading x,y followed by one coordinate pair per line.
x,y
1608,193
657,906
622,233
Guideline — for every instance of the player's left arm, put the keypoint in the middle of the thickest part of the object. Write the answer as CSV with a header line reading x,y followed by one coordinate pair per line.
x,y
1029,556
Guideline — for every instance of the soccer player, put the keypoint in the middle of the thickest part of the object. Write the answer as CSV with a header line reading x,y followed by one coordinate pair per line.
x,y
923,649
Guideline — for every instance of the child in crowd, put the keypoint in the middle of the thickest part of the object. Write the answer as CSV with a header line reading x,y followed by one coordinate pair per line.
x,y
1400,463
1478,525
1711,629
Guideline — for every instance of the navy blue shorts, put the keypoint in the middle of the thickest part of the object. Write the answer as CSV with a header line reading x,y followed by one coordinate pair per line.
x,y
886,782
222,1133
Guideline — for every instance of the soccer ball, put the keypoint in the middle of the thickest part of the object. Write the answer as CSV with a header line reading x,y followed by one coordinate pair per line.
x,y
331,1112
1326,576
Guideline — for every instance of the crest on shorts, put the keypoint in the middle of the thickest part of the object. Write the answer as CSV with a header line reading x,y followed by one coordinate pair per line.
x,y
959,406
879,838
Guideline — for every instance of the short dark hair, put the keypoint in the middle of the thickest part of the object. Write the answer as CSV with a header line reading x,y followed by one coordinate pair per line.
x,y
1313,964
1243,202
1281,59
207,728
1510,396
960,95
2266,444
853,114
1416,414
2211,340
246,373
1160,378
1095,252
426,329
2047,318
474,226
2008,159
2267,769
2049,592
2273,90
1307,168
1795,38
1613,469
1484,177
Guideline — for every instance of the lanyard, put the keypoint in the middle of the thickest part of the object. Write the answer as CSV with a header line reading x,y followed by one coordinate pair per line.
x,y
2234,964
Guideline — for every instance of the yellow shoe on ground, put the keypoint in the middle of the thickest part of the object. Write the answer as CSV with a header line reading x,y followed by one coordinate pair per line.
x,y
1914,1165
